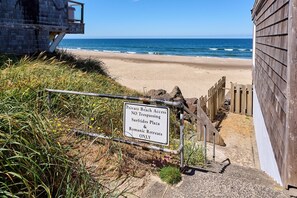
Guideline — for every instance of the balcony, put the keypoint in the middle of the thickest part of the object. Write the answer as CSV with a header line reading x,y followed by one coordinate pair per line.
x,y
75,18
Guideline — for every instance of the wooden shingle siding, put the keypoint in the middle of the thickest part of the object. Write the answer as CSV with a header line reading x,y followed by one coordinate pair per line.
x,y
275,116
26,25
278,29
270,62
269,7
275,13
270,76
278,54
280,42
275,79
274,19
290,163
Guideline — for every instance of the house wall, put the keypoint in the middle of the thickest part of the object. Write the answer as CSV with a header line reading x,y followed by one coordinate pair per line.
x,y
265,150
272,78
290,163
26,24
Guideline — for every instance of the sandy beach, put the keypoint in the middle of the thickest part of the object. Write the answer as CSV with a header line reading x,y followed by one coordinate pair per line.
x,y
194,75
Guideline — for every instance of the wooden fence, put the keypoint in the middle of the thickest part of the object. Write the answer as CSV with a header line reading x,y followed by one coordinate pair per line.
x,y
212,133
215,99
242,99
207,108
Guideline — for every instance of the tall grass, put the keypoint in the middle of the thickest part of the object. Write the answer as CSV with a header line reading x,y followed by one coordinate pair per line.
x,y
32,161
34,164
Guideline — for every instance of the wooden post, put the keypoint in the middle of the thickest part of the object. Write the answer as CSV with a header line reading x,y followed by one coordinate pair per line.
x,y
199,122
243,100
232,98
249,100
215,101
237,99
210,105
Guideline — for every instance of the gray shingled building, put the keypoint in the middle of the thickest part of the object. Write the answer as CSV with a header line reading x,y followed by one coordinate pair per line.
x,y
275,86
29,26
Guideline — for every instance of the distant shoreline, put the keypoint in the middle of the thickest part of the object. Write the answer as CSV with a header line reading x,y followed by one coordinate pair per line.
x,y
117,52
193,61
223,48
194,75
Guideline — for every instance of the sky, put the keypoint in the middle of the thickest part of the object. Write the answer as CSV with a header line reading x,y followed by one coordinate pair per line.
x,y
167,19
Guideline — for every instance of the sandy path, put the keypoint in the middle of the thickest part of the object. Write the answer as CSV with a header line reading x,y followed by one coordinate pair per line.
x,y
194,75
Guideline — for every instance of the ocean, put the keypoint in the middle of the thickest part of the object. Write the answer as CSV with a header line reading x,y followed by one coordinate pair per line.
x,y
225,48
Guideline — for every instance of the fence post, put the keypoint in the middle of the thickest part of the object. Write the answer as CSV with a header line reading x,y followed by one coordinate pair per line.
x,y
243,100
249,100
237,98
181,117
223,89
216,98
199,120
205,145
214,146
232,98
210,104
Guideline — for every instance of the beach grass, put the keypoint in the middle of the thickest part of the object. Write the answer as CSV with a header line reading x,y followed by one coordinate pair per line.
x,y
33,163
36,159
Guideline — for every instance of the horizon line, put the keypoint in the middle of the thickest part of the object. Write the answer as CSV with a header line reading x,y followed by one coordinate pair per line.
x,y
162,38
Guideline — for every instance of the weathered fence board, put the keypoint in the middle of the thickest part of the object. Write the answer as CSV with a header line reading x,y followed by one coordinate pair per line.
x,y
216,98
212,132
207,108
249,100
241,99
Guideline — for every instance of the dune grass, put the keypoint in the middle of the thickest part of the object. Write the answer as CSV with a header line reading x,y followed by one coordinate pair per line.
x,y
32,162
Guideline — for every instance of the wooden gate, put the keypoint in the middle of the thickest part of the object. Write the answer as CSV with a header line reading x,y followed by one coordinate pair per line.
x,y
242,99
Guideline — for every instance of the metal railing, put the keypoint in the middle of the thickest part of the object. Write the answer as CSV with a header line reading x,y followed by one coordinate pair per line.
x,y
178,105
74,8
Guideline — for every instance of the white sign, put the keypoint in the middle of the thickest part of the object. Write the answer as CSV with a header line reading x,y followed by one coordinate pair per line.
x,y
147,122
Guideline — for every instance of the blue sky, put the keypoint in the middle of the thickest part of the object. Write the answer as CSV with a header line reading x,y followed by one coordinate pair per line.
x,y
167,19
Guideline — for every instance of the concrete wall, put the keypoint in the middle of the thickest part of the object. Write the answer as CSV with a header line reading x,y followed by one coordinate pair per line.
x,y
26,24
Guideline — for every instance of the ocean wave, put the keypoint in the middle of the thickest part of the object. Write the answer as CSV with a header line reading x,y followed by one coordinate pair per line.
x,y
242,50
213,49
131,52
111,51
251,50
155,53
96,50
229,50
78,48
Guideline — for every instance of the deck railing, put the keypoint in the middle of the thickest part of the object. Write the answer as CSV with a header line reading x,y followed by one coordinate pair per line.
x,y
75,12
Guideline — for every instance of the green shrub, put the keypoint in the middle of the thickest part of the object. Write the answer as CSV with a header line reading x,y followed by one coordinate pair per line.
x,y
170,175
